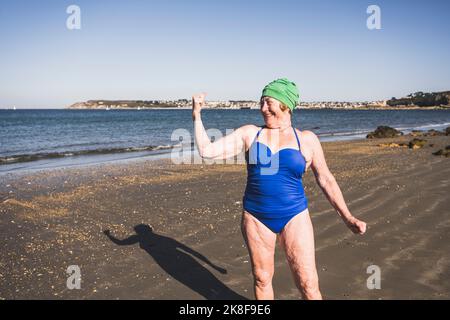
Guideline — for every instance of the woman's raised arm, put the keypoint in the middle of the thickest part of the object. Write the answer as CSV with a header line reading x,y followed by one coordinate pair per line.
x,y
223,148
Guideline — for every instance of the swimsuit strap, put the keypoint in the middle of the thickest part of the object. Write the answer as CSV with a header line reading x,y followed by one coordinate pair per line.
x,y
298,141
259,131
257,144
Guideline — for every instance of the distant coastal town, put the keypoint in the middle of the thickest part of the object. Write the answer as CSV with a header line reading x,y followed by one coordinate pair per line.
x,y
418,100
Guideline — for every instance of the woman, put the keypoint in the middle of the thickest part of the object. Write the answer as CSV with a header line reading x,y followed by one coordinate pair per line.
x,y
274,202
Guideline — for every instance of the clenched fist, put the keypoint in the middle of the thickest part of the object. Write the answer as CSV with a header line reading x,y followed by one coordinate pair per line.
x,y
356,226
198,101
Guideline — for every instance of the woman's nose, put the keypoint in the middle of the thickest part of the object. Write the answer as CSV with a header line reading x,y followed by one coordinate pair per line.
x,y
264,106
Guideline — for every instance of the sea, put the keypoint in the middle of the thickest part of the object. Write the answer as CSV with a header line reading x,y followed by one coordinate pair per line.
x,y
47,138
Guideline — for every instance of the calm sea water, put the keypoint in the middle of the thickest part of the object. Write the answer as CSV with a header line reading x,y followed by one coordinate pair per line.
x,y
43,135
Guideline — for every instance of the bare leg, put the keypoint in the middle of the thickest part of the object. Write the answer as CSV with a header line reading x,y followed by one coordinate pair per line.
x,y
260,242
297,239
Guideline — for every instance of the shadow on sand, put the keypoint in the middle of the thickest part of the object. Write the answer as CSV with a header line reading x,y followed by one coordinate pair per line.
x,y
175,259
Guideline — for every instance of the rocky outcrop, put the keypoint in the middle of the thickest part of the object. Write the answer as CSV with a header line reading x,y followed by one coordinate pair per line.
x,y
417,143
393,145
422,99
443,152
416,133
431,132
384,132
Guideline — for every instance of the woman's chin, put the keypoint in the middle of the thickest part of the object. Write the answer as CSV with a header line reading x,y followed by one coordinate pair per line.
x,y
270,123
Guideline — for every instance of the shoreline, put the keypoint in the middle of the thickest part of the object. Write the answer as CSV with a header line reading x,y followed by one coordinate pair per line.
x,y
52,219
224,108
297,108
94,157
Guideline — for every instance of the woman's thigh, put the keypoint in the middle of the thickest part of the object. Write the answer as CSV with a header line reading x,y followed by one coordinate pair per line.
x,y
260,242
297,239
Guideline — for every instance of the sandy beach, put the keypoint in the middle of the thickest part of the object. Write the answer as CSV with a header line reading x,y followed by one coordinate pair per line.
x,y
173,228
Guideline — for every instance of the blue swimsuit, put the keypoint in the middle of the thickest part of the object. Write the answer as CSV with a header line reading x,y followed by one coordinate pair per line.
x,y
274,192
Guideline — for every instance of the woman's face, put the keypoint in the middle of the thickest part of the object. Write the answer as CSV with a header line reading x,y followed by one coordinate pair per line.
x,y
271,111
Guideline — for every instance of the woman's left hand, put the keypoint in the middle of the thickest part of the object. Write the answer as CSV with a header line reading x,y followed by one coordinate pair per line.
x,y
357,226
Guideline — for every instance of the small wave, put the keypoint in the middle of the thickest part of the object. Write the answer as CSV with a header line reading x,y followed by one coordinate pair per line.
x,y
431,125
346,133
53,155
364,131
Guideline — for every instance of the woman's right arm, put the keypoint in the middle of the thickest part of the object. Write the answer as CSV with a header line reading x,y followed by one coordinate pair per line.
x,y
225,147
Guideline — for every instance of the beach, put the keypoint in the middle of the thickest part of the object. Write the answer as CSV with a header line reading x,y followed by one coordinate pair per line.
x,y
173,228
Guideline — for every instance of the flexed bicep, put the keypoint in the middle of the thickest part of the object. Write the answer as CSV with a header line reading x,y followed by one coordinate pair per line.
x,y
227,146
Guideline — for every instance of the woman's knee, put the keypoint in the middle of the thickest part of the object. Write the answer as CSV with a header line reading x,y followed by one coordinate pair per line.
x,y
263,278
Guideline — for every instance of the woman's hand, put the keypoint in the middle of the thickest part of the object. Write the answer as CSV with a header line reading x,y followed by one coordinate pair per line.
x,y
198,101
357,226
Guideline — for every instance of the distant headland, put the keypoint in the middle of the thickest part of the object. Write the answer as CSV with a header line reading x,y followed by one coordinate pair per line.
x,y
417,100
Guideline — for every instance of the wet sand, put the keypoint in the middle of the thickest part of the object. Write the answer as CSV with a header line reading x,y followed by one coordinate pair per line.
x,y
175,229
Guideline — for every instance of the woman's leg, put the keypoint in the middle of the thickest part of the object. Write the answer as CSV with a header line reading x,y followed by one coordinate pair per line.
x,y
297,239
260,242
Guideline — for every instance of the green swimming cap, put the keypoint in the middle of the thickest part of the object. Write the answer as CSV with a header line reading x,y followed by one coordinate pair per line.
x,y
283,90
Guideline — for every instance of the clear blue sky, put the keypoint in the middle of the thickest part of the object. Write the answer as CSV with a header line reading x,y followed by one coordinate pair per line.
x,y
130,49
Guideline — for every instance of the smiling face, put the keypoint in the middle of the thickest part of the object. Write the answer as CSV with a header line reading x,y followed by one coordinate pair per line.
x,y
275,114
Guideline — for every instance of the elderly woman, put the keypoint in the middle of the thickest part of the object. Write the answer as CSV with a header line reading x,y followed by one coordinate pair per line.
x,y
274,202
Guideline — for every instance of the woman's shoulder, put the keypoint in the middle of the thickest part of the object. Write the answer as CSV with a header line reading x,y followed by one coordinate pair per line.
x,y
308,137
249,129
308,143
310,134
248,133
